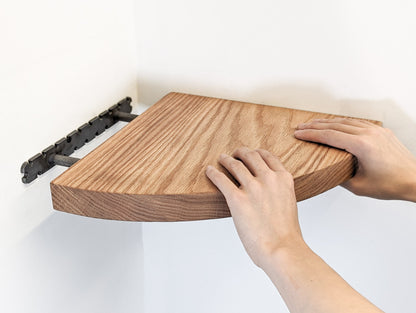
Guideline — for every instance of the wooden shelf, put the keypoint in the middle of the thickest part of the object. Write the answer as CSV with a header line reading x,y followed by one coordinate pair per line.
x,y
154,168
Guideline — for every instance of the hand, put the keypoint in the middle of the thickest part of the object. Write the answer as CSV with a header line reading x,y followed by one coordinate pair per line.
x,y
265,214
386,169
264,207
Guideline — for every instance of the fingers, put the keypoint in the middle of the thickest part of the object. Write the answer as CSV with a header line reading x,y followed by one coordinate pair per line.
x,y
342,126
329,137
346,121
252,160
271,160
254,163
223,183
236,168
342,133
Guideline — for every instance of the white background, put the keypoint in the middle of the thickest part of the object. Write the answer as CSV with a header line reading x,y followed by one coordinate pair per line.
x,y
63,63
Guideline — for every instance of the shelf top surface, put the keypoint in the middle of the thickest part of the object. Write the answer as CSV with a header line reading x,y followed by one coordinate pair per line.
x,y
166,150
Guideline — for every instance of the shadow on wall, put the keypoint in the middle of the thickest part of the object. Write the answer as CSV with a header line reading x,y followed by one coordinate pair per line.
x,y
297,96
76,264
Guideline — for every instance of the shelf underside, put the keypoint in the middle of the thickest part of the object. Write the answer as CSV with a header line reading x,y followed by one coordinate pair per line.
x,y
154,168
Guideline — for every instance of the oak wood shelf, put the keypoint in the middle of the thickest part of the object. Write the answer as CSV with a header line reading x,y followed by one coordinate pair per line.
x,y
154,168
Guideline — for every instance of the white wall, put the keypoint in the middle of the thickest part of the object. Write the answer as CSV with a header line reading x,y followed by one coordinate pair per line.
x,y
62,63
346,57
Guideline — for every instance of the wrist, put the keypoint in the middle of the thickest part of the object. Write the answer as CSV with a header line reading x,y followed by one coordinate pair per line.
x,y
293,249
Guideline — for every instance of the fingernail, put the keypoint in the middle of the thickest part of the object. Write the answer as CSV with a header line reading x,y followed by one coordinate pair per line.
x,y
223,155
302,125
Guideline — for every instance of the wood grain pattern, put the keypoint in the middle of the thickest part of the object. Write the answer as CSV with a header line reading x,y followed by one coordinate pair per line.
x,y
154,168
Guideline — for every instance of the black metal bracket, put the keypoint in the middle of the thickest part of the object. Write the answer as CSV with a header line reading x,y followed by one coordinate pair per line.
x,y
58,153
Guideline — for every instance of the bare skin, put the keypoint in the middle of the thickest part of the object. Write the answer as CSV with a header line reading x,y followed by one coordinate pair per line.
x,y
386,169
264,210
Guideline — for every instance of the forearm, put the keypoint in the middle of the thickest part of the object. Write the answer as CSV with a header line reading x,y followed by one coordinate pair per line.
x,y
308,284
264,211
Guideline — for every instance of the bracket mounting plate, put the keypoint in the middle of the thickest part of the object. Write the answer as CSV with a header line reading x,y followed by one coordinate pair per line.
x,y
42,162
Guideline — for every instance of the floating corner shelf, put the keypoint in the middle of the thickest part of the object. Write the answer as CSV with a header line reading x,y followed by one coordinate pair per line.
x,y
154,168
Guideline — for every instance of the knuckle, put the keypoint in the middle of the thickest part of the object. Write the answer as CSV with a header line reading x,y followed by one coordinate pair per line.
x,y
326,134
236,196
252,183
365,144
314,123
269,177
361,141
372,131
251,154
234,164
273,179
265,153
253,186
285,176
